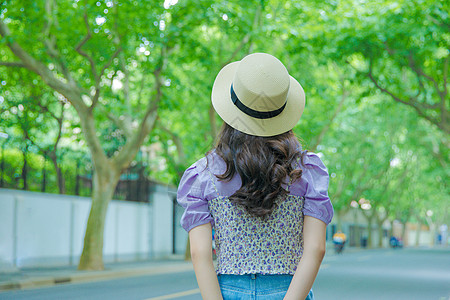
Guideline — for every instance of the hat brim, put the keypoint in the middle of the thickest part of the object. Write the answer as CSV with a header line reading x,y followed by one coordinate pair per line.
x,y
233,116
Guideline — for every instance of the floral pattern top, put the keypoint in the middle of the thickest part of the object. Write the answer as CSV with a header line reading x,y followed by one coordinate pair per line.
x,y
246,244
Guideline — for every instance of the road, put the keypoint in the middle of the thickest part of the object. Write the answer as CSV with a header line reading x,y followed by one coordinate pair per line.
x,y
365,275
386,274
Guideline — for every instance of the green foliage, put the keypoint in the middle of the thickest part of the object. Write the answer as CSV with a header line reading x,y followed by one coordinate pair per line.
x,y
374,73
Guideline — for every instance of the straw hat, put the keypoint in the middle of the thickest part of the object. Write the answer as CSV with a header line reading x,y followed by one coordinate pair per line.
x,y
258,96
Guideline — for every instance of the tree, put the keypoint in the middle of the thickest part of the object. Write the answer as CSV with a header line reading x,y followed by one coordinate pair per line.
x,y
402,49
85,77
127,66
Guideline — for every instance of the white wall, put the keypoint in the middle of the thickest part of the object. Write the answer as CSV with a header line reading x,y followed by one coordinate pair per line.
x,y
161,242
39,229
6,231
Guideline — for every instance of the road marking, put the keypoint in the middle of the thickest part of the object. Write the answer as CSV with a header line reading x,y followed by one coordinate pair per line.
x,y
176,295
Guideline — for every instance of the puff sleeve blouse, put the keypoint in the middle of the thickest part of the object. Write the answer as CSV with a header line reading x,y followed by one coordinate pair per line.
x,y
196,188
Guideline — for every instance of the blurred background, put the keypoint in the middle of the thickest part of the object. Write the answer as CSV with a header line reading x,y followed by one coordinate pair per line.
x,y
104,104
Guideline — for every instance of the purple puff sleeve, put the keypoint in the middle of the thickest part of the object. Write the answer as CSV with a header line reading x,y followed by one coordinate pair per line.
x,y
317,203
190,195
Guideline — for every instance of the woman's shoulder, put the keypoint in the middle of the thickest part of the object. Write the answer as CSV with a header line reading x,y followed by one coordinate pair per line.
x,y
209,162
198,165
313,159
199,179
310,160
312,168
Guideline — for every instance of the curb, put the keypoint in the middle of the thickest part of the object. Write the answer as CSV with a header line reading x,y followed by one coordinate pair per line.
x,y
91,276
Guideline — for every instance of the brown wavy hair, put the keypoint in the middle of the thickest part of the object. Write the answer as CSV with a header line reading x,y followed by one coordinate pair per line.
x,y
263,164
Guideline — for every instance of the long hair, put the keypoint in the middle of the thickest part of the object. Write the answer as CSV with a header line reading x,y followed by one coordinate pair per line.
x,y
263,164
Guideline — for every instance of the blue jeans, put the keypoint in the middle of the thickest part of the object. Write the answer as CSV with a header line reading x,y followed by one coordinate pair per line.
x,y
255,286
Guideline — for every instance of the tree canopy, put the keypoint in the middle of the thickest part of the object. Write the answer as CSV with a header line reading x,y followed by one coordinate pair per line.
x,y
108,78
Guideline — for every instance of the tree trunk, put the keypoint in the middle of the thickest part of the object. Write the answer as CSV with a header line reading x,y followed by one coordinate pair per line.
x,y
405,228
380,233
404,234
369,232
369,215
25,169
104,183
77,179
44,175
380,221
107,170
59,175
418,231
2,183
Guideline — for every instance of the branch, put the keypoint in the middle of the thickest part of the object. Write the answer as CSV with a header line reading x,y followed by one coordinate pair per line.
x,y
44,109
60,128
84,41
178,143
123,123
26,59
70,91
50,41
372,78
141,89
28,137
181,161
125,155
58,119
445,75
437,153
246,38
97,76
241,45
126,85
109,62
413,103
444,111
419,71
97,81
12,64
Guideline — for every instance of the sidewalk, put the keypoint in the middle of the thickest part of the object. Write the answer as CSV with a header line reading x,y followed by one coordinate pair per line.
x,y
47,276
39,277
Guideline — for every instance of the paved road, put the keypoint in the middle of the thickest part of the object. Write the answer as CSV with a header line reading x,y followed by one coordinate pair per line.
x,y
374,274
386,274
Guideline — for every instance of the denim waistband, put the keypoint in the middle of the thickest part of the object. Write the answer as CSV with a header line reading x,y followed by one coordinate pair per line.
x,y
256,287
256,282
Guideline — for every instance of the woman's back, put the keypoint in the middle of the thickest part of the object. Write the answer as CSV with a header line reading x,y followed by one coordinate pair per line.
x,y
248,244
266,200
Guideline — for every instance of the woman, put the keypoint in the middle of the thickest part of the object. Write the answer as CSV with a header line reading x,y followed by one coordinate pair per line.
x,y
266,199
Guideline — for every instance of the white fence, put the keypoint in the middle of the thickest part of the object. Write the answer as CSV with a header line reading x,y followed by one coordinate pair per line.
x,y
39,229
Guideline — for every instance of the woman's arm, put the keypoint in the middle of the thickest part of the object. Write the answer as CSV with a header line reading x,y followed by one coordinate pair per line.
x,y
201,254
314,238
